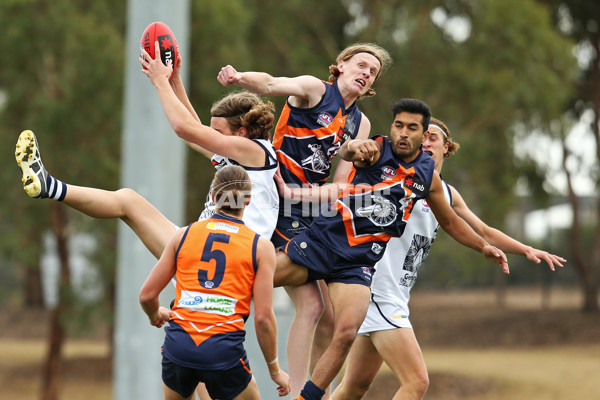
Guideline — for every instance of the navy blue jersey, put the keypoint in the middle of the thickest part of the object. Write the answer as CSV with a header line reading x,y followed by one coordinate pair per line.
x,y
376,205
307,139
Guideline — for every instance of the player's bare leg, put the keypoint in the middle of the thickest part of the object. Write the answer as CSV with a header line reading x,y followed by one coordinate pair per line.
x,y
362,366
149,224
401,352
308,303
323,333
350,303
202,392
288,273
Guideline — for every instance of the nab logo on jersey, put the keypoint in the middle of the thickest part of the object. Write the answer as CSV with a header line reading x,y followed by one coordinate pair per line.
x,y
343,135
388,172
415,185
324,119
219,164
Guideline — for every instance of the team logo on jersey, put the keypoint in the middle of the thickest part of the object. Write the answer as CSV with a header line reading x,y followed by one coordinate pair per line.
x,y
325,119
424,206
317,161
209,284
343,135
381,211
220,163
367,271
415,185
416,254
387,172
376,248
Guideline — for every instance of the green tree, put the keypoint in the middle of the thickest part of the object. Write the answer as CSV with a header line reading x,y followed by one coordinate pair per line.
x,y
62,79
489,69
580,20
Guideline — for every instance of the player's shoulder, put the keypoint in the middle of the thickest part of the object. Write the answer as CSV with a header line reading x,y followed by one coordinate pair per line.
x,y
264,244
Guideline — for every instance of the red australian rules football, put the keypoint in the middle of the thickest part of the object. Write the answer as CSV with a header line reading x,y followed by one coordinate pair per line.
x,y
169,49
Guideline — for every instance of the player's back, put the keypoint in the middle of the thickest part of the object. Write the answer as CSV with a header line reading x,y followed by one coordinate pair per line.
x,y
216,265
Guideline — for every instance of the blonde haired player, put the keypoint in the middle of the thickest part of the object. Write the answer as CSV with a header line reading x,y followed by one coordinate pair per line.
x,y
317,119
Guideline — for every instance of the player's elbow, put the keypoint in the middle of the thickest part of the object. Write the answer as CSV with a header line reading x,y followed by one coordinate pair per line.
x,y
447,225
269,87
145,297
180,127
264,320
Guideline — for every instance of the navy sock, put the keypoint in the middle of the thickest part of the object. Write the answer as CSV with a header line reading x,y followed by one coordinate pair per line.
x,y
310,391
57,190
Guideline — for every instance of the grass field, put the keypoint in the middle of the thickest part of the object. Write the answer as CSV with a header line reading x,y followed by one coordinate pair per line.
x,y
473,349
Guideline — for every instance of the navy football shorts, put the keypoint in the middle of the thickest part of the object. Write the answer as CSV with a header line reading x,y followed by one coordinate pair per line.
x,y
287,228
220,384
307,250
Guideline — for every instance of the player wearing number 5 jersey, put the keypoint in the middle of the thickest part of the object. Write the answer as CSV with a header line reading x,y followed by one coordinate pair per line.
x,y
219,265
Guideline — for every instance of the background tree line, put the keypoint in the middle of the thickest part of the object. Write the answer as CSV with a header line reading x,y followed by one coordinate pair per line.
x,y
493,70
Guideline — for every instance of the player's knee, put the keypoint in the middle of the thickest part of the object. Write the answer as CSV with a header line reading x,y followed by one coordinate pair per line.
x,y
310,309
345,336
351,390
418,385
359,390
422,384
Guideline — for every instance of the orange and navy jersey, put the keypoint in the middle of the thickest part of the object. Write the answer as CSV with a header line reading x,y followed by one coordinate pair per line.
x,y
375,206
216,265
307,139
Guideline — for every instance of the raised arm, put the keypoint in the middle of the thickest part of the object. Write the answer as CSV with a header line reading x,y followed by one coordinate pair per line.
x,y
159,277
264,318
499,238
304,91
187,127
180,92
458,228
